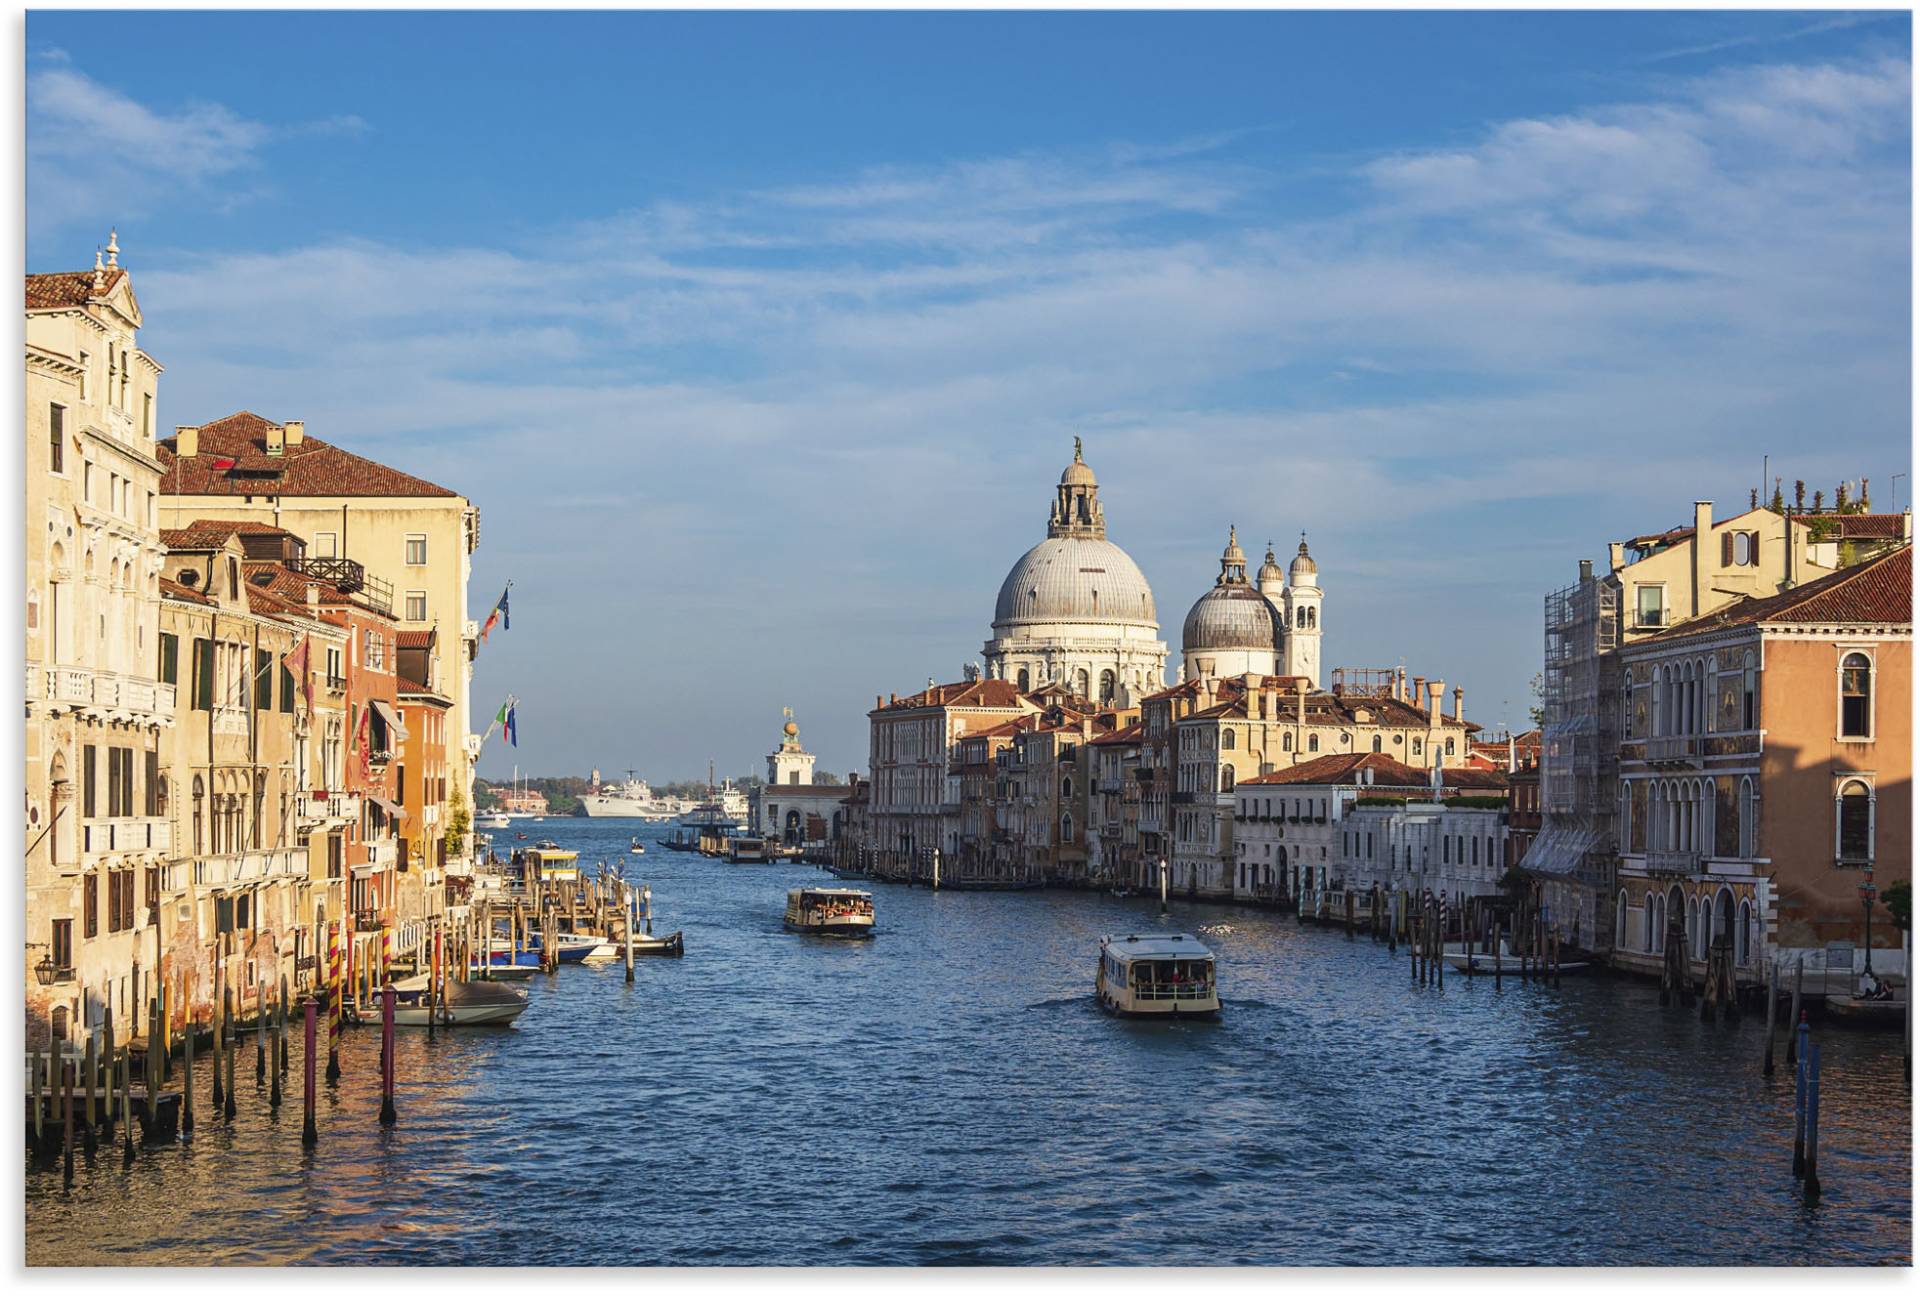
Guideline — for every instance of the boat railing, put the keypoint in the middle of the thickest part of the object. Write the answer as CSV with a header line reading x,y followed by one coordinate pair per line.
x,y
1167,990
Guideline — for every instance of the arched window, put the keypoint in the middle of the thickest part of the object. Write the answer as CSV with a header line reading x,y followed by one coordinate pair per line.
x,y
1376,742
1300,619
1854,827
1107,684
199,800
1749,692
1080,683
1226,740
1620,920
1226,778
1066,789
1449,746
1026,680
1856,696
1659,691
1748,820
1313,742
1066,827
1743,935
1649,905
1286,742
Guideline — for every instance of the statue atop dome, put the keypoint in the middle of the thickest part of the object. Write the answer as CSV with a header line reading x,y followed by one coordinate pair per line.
x,y
1076,505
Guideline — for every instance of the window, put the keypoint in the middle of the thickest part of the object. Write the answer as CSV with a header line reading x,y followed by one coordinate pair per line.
x,y
57,438
119,782
1856,696
1749,693
1854,831
90,906
202,675
86,481
146,416
62,942
1650,605
86,374
286,685
326,544
169,658
156,802
1226,739
1313,743
1376,742
416,605
416,551
262,679
1739,548
87,772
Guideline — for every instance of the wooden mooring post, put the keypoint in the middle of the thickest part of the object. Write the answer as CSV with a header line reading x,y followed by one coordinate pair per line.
x,y
387,1115
1773,1004
1811,1183
309,1132
1795,1036
186,1088
90,1080
1800,1101
233,1048
66,1119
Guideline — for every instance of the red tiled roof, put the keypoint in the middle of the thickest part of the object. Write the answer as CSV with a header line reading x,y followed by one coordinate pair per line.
x,y
416,638
1130,734
314,467
206,533
291,585
976,693
1387,772
1858,526
67,288
171,588
1877,592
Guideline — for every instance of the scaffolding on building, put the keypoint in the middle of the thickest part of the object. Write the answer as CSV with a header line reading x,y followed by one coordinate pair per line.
x,y
1365,681
1580,748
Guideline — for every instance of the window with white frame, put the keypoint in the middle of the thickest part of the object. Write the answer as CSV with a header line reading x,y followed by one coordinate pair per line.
x,y
1856,696
1854,823
326,544
416,550
1650,606
416,605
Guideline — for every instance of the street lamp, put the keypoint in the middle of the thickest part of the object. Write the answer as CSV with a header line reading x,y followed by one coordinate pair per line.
x,y
1867,892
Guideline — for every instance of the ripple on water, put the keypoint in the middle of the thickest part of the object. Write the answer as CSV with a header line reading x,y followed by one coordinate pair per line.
x,y
949,1094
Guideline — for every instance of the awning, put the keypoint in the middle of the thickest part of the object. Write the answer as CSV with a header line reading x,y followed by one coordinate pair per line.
x,y
1559,851
394,812
396,730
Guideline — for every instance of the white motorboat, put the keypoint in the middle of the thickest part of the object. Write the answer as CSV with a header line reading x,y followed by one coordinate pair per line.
x,y
1477,962
830,911
468,1003
1157,976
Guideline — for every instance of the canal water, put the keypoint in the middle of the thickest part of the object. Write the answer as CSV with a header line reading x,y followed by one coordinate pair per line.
x,y
949,1094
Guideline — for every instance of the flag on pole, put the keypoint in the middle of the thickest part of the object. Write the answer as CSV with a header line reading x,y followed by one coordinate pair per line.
x,y
506,720
362,738
296,662
500,613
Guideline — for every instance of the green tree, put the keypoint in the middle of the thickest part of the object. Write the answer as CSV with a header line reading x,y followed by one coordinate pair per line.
x,y
459,819
1538,711
1898,899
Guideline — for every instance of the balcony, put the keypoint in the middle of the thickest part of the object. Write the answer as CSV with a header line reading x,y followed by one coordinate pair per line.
x,y
1673,749
248,866
117,696
318,806
1681,863
367,920
230,720
335,683
99,836
349,577
382,854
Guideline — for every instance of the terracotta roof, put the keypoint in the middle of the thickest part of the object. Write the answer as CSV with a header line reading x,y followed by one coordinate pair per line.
x,y
1475,780
416,638
171,588
977,693
67,288
1858,526
291,585
314,467
208,534
1877,592
1130,734
1387,772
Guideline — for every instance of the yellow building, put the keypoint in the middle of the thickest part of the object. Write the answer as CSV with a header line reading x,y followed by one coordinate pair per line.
x,y
407,542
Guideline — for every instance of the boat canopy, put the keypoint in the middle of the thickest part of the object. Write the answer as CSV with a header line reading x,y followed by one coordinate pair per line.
x,y
1129,949
802,893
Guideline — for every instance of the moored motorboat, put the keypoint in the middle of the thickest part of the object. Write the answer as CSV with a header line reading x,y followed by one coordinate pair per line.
x,y
1157,976
747,850
1473,961
659,946
467,1003
830,911
635,848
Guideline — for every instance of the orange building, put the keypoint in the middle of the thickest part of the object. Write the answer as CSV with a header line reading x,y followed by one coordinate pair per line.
x,y
1766,775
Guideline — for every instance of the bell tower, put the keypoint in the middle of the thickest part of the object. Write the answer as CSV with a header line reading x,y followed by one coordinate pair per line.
x,y
1301,606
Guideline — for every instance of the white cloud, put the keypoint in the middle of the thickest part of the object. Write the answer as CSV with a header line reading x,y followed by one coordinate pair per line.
x,y
783,405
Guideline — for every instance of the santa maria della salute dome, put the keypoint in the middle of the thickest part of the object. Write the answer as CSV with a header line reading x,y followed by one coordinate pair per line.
x,y
1075,609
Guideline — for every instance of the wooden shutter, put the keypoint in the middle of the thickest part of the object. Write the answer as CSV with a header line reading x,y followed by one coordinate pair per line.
x,y
1726,548
202,675
90,905
87,779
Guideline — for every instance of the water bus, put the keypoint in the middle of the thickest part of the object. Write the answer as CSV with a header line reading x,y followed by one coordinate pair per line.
x,y
830,911
747,850
1157,976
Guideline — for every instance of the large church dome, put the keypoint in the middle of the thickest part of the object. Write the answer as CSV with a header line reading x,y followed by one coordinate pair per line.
x,y
1231,616
1075,609
1074,578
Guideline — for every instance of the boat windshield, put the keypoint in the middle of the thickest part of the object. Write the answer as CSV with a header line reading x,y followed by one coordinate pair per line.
x,y
838,906
1151,973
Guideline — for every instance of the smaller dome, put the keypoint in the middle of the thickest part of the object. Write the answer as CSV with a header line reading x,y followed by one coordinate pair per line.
x,y
1077,473
1233,554
1230,617
790,729
1270,569
1303,563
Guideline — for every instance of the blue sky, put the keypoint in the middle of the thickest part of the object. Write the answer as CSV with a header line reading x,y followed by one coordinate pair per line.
x,y
759,339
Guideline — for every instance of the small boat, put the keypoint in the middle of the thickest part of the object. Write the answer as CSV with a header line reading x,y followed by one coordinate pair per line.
x,y
830,911
503,971
493,821
657,946
519,836
1476,962
1157,976
635,848
548,861
747,850
468,1003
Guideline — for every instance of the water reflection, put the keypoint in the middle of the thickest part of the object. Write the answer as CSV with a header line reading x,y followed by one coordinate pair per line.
x,y
948,1093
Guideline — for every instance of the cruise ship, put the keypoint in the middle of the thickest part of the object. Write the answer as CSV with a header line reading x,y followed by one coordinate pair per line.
x,y
630,800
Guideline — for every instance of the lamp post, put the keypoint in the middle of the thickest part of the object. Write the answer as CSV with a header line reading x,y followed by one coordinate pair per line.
x,y
1867,892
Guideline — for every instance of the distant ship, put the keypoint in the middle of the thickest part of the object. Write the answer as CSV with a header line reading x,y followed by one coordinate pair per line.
x,y
725,808
630,800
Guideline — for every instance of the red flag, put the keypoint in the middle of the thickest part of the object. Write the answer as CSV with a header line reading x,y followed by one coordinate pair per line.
x,y
296,662
221,465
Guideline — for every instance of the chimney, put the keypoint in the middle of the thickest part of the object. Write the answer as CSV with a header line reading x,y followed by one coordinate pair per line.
x,y
1705,554
186,441
878,701
276,440
1586,570
1300,698
296,430
1434,690
1419,689
1459,704
313,595
1512,758
1616,556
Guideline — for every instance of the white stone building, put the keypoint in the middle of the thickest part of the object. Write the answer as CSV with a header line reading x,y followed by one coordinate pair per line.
x,y
1076,610
1269,628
